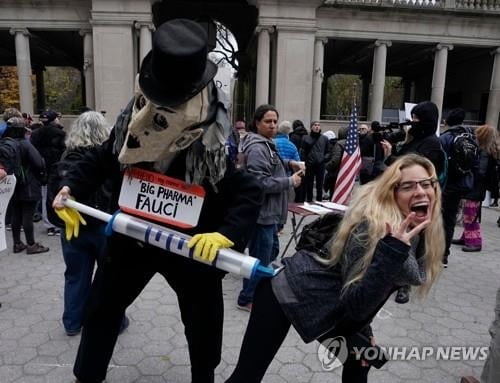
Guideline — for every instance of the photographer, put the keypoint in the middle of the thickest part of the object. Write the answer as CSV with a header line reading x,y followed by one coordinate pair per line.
x,y
420,139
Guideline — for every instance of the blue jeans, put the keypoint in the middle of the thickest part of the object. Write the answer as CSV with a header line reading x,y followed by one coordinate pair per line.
x,y
80,256
264,246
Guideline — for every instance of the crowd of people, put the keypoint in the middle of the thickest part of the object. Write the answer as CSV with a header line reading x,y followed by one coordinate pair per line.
x,y
395,235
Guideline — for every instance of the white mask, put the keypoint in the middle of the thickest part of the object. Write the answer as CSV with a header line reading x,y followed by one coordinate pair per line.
x,y
155,132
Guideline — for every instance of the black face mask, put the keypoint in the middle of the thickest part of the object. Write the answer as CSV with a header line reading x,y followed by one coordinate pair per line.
x,y
420,129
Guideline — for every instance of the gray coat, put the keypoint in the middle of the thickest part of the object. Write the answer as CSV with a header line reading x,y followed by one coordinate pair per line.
x,y
310,292
262,160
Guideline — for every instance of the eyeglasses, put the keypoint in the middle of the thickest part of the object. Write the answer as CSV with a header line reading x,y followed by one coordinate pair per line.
x,y
409,186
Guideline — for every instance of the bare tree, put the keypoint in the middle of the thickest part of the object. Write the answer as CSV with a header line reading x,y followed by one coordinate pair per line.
x,y
226,49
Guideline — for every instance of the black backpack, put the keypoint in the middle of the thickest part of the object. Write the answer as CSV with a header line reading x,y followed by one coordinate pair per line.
x,y
11,158
316,236
464,152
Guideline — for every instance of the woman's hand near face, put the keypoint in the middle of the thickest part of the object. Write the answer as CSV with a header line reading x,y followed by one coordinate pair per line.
x,y
405,232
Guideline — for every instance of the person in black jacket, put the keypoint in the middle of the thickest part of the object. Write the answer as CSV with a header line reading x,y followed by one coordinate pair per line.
x,y
299,131
81,254
176,127
381,244
314,151
49,141
27,191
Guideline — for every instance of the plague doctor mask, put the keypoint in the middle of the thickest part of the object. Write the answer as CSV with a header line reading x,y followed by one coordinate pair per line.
x,y
156,132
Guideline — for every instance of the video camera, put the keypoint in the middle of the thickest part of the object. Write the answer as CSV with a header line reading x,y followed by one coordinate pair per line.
x,y
393,132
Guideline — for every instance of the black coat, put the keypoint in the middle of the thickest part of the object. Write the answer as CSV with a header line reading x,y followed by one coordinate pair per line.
x,y
315,149
49,140
33,167
232,210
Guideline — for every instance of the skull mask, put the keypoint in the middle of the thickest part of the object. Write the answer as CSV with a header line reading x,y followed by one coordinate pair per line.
x,y
157,132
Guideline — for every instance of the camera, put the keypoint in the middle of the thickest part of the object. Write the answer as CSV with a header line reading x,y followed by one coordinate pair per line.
x,y
393,132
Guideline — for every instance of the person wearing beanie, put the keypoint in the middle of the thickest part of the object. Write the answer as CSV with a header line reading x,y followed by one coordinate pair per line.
x,y
27,191
421,139
315,151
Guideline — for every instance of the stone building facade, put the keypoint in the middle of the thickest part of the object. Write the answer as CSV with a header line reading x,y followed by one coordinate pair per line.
x,y
444,50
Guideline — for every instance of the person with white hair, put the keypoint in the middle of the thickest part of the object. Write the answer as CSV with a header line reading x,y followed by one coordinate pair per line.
x,y
286,149
81,253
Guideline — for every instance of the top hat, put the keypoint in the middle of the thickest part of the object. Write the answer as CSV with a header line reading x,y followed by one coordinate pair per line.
x,y
177,68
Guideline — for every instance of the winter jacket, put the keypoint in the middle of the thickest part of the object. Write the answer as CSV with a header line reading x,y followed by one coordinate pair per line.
x,y
315,149
310,292
428,147
261,159
33,167
486,170
98,200
49,141
286,149
231,210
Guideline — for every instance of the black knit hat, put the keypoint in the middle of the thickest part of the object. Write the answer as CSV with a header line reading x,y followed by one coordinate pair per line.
x,y
455,117
426,112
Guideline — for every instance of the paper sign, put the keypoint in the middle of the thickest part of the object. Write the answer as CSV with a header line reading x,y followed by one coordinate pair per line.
x,y
7,186
332,205
160,198
408,107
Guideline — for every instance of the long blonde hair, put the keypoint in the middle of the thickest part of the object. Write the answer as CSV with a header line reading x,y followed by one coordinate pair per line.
x,y
375,204
487,139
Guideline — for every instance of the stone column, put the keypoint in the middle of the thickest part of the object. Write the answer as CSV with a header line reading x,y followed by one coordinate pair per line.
x,y
263,64
493,110
23,62
439,76
319,52
376,102
88,67
145,39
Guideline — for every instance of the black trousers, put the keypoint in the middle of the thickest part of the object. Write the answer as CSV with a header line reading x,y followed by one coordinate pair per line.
x,y
22,216
121,278
316,172
266,331
450,203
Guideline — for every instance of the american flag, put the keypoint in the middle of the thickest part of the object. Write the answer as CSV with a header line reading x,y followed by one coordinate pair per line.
x,y
350,164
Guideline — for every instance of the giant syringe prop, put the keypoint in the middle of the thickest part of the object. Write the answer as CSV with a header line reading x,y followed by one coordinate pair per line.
x,y
175,242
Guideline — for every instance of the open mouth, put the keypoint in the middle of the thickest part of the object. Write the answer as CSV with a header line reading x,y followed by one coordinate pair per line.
x,y
420,208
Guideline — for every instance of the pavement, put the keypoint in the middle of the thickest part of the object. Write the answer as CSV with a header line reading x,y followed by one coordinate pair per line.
x,y
35,348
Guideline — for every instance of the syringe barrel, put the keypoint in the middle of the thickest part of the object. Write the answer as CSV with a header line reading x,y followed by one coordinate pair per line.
x,y
175,242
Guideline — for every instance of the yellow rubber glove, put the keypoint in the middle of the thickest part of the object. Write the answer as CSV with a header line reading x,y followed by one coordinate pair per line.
x,y
206,245
72,219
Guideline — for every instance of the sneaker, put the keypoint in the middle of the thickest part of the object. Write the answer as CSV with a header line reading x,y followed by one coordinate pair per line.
x,y
51,232
445,263
73,332
459,241
18,247
124,325
247,307
469,379
36,248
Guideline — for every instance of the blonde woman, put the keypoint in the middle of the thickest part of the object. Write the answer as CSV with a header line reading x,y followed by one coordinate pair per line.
x,y
471,239
391,236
